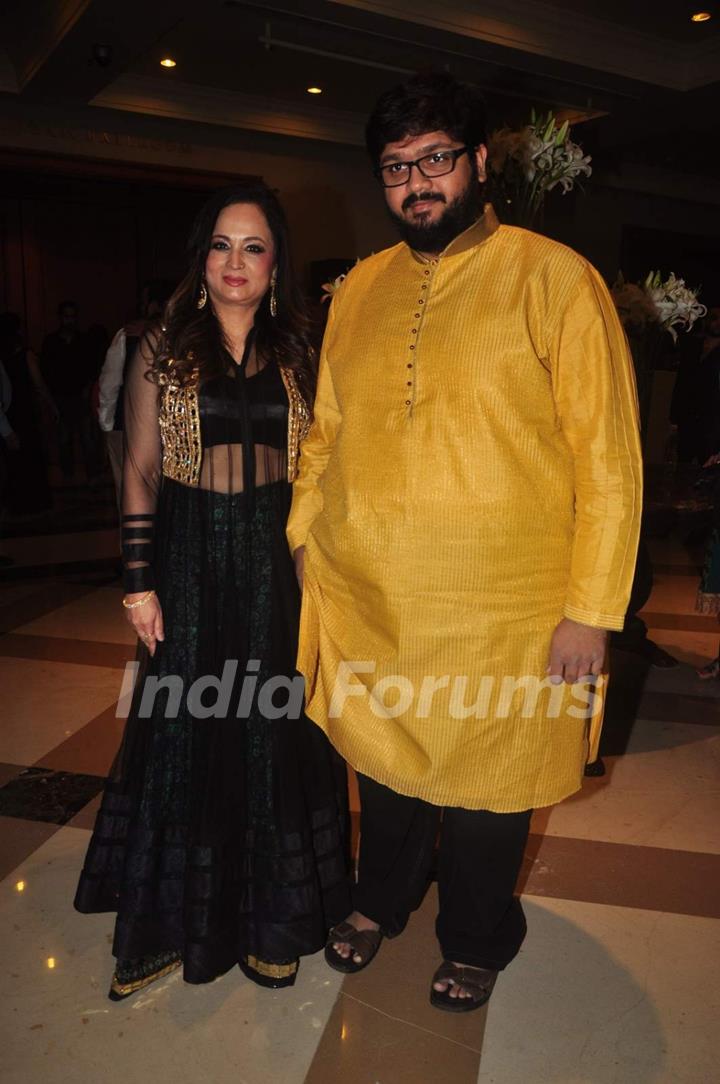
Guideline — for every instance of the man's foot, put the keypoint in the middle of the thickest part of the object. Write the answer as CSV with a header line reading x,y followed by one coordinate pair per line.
x,y
460,987
352,944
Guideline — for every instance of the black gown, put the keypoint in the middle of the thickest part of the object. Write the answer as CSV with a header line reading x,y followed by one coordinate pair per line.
x,y
223,832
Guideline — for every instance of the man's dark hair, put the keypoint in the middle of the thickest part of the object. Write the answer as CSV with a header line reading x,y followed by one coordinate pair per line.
x,y
429,102
67,305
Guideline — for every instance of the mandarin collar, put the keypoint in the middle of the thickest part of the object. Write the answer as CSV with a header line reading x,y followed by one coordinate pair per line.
x,y
474,235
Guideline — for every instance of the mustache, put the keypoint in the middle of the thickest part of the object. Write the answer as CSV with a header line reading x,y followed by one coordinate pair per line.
x,y
421,197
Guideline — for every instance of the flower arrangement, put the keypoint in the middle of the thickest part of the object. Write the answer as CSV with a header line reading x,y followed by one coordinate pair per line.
x,y
525,165
670,304
330,288
676,304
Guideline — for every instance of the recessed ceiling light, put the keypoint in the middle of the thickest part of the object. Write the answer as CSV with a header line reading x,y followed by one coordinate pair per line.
x,y
168,62
314,90
701,16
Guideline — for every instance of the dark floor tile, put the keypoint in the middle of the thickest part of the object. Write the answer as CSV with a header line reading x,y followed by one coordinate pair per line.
x,y
58,649
623,875
48,596
106,565
40,794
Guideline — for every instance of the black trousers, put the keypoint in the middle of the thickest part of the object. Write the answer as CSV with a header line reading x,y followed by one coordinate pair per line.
x,y
480,921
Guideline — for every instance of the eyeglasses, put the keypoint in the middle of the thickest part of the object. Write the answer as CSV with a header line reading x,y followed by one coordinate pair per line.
x,y
436,164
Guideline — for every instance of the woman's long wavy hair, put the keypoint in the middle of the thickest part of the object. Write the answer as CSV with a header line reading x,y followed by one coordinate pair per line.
x,y
193,338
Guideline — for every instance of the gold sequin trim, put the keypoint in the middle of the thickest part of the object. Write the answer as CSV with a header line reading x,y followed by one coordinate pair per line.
x,y
131,987
298,421
272,971
180,432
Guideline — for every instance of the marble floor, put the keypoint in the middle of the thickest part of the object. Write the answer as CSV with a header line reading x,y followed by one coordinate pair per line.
x,y
617,982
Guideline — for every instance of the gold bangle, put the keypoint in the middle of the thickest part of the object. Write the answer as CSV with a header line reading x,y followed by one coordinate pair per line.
x,y
140,601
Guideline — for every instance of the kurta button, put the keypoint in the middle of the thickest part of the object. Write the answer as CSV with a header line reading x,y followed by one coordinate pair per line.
x,y
409,383
407,402
417,315
409,365
412,347
414,331
424,286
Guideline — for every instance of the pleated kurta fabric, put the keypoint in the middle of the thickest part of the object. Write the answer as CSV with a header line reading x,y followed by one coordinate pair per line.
x,y
473,475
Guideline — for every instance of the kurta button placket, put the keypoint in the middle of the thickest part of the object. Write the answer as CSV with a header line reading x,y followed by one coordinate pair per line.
x,y
427,273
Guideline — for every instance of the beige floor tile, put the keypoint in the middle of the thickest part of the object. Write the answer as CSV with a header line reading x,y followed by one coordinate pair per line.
x,y
96,616
664,792
606,995
44,703
18,839
363,1046
60,1027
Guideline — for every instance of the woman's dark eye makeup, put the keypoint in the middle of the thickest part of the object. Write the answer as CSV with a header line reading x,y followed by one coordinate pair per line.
x,y
253,247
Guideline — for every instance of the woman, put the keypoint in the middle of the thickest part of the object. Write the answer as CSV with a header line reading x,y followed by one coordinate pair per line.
x,y
28,490
221,838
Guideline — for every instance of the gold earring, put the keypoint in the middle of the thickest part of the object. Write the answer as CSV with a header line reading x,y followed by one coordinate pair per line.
x,y
202,299
273,294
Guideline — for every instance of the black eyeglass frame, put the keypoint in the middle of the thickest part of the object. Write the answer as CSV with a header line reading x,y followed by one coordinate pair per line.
x,y
456,152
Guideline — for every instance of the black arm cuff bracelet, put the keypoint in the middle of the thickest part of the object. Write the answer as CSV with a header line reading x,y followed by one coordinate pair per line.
x,y
138,579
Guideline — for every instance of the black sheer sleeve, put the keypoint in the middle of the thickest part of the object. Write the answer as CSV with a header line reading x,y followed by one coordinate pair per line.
x,y
142,470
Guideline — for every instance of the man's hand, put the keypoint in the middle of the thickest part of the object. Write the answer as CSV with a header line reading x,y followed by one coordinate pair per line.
x,y
576,651
299,556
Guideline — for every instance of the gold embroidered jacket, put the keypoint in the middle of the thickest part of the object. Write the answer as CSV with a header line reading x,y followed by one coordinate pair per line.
x,y
180,427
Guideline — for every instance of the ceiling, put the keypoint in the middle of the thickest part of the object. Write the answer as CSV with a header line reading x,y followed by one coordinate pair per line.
x,y
642,75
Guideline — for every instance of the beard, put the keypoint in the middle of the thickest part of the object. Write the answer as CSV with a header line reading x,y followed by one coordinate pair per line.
x,y
459,215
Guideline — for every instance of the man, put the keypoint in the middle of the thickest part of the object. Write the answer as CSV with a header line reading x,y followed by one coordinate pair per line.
x,y
467,515
66,368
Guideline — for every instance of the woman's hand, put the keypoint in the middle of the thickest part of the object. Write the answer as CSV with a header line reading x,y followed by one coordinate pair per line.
x,y
712,461
147,620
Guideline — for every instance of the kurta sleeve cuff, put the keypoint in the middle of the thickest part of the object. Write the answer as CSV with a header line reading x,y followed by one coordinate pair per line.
x,y
610,622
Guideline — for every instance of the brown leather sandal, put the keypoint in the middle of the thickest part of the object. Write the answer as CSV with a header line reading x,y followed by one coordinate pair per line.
x,y
478,981
363,943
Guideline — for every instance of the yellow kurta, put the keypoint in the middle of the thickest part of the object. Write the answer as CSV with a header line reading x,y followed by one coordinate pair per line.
x,y
472,475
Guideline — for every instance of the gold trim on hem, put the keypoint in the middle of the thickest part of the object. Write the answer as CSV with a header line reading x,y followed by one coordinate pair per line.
x,y
131,987
271,971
